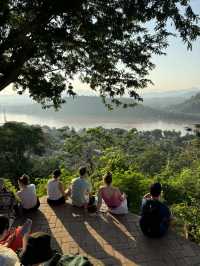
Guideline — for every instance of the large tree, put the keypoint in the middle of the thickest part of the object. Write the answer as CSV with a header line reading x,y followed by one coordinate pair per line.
x,y
44,44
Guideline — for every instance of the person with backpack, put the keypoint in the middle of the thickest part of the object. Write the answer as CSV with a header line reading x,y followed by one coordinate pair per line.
x,y
155,216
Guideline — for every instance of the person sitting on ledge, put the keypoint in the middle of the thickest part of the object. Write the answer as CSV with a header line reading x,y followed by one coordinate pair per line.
x,y
81,192
113,198
55,190
27,194
13,237
37,251
155,216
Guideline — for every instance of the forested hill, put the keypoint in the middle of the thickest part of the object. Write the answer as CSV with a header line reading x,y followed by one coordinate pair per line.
x,y
135,158
191,106
90,106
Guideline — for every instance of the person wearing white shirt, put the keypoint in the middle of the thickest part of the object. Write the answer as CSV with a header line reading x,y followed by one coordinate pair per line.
x,y
27,194
55,190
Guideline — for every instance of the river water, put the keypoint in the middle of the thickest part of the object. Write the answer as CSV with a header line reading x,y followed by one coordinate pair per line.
x,y
89,122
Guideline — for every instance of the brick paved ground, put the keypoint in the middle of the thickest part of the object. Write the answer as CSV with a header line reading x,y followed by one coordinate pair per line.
x,y
108,240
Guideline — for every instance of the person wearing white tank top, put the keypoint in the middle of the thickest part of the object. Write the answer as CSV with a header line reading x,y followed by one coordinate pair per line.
x,y
55,190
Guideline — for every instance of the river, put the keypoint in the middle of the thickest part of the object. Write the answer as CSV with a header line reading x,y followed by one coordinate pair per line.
x,y
89,122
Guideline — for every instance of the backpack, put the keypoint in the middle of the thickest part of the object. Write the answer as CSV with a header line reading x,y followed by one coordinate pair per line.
x,y
68,260
151,215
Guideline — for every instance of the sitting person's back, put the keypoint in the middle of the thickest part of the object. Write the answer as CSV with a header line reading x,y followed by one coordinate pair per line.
x,y
38,251
27,194
55,189
155,216
111,196
80,189
114,199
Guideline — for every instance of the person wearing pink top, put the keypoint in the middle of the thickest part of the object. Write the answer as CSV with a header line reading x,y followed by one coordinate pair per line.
x,y
113,198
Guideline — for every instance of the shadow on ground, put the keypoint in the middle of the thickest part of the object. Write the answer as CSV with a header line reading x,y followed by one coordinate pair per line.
x,y
109,240
80,238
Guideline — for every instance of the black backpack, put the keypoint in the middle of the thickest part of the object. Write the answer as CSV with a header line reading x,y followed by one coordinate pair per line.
x,y
151,215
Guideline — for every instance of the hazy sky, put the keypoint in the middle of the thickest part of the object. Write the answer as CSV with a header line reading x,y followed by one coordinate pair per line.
x,y
179,69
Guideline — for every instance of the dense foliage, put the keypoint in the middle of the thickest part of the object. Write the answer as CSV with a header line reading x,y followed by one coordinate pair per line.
x,y
135,158
18,143
108,44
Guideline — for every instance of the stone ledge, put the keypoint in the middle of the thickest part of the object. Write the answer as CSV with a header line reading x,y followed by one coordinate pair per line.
x,y
109,240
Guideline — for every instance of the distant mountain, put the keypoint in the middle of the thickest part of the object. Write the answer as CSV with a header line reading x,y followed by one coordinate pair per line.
x,y
185,93
163,103
162,100
171,106
91,107
191,106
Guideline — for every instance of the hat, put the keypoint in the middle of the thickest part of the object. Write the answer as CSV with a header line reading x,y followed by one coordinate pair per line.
x,y
38,249
8,257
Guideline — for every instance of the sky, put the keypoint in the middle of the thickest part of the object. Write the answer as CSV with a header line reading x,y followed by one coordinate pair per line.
x,y
178,70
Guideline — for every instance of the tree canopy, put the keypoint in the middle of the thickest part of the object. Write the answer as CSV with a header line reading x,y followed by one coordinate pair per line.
x,y
18,143
107,44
